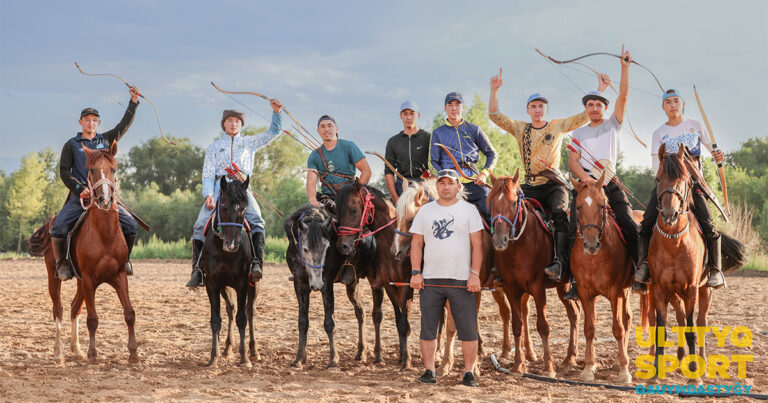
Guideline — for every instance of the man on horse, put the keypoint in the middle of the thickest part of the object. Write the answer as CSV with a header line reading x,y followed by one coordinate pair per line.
x,y
464,141
539,142
334,163
234,153
601,139
407,151
692,135
75,177
448,234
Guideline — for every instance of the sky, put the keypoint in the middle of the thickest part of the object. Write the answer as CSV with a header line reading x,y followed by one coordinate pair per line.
x,y
359,60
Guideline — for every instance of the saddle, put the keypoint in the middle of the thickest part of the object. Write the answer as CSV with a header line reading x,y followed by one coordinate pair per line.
x,y
71,235
544,216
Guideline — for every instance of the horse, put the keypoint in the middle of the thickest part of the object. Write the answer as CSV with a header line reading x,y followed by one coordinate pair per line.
x,y
415,195
523,248
602,265
225,259
314,263
99,251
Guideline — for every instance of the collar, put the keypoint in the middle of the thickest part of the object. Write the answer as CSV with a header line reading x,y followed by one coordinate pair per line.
x,y
418,133
80,138
448,122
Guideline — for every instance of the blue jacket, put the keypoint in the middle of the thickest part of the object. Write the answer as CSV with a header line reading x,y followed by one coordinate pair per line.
x,y
465,141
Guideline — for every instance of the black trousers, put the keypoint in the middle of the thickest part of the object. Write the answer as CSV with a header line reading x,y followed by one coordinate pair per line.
x,y
552,196
699,209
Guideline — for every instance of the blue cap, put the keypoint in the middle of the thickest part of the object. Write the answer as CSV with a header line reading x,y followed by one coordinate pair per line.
x,y
596,95
326,117
409,105
536,97
454,96
669,94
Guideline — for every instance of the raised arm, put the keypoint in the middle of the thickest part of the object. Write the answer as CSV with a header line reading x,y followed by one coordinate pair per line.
x,y
275,128
621,102
493,102
130,113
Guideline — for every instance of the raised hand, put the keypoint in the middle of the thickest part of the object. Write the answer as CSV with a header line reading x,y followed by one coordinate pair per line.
x,y
276,105
496,81
626,58
135,93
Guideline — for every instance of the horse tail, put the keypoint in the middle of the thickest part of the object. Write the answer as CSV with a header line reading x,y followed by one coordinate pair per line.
x,y
40,241
645,310
734,252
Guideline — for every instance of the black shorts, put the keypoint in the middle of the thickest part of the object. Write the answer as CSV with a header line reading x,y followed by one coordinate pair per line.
x,y
463,308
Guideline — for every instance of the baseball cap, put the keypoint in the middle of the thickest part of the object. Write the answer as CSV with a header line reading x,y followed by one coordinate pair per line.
x,y
326,117
669,94
448,173
89,111
536,97
596,95
409,105
454,96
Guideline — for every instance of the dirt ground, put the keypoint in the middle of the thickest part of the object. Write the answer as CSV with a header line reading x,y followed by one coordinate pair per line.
x,y
172,327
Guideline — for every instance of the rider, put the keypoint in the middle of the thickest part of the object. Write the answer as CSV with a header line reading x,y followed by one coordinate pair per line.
x,y
465,141
75,176
233,151
692,134
600,138
407,151
537,140
334,163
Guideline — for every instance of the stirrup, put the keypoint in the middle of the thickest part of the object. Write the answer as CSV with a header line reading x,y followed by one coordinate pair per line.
x,y
196,273
718,284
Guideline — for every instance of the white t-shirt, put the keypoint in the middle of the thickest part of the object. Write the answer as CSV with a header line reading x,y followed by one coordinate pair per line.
x,y
446,229
602,141
689,132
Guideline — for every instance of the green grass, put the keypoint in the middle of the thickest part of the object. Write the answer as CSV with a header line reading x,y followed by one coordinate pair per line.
x,y
13,255
274,249
757,262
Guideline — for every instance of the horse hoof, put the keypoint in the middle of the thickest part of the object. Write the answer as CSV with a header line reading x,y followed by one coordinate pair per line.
x,y
212,364
333,367
227,352
551,374
654,381
134,360
568,363
255,357
696,381
624,378
297,365
587,375
79,355
246,364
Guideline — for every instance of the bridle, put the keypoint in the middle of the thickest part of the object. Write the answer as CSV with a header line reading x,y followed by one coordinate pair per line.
x,y
217,230
112,185
600,228
366,219
519,207
301,253
674,191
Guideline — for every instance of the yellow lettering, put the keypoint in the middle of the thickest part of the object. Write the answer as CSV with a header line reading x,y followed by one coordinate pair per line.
x,y
680,330
745,340
664,368
721,334
701,332
661,338
718,365
742,360
701,366
644,364
641,342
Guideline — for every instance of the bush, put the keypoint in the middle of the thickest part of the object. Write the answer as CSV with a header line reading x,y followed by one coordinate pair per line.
x,y
155,248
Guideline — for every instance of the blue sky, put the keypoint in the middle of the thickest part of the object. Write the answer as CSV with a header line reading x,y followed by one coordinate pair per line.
x,y
358,60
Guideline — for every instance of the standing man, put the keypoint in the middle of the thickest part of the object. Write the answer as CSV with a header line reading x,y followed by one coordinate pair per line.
x,y
465,142
601,138
407,151
541,139
75,177
233,151
448,234
692,134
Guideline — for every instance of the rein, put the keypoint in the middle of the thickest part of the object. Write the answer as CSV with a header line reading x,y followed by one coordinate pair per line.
x,y
513,224
369,210
103,181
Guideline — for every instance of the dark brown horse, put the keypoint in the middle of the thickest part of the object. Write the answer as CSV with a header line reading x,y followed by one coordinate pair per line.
x,y
602,266
523,249
99,252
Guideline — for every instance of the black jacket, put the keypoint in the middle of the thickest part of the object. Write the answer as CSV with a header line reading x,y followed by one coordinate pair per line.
x,y
408,154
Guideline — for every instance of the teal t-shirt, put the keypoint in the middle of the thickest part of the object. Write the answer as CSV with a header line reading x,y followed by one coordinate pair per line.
x,y
340,160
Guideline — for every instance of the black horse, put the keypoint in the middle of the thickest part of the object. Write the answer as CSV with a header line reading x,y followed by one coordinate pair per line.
x,y
315,261
226,258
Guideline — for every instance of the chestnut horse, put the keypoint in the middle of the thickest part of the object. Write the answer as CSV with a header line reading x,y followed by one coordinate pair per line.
x,y
523,249
99,252
602,265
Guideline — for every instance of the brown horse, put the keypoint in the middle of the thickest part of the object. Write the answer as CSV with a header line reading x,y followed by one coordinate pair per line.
x,y
601,264
523,249
99,252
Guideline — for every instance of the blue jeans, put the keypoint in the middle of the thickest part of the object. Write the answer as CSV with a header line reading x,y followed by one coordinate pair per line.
x,y
252,215
476,195
72,210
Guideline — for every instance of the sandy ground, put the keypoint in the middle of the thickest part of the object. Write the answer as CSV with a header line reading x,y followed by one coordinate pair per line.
x,y
173,333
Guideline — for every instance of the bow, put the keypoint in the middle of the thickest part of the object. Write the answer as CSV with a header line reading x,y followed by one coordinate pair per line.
x,y
456,164
157,115
575,60
720,169
388,165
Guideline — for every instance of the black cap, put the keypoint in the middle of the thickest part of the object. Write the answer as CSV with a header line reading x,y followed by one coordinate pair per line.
x,y
453,96
89,111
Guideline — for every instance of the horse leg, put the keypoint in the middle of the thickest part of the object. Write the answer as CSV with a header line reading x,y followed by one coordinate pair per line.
x,y
504,314
54,290
76,310
446,364
620,333
660,308
378,316
540,298
441,329
231,311
651,316
401,303
690,337
93,319
302,296
252,292
354,297
588,303
572,311
678,305
329,324
240,318
530,353
705,300
515,299
121,287
480,350
215,302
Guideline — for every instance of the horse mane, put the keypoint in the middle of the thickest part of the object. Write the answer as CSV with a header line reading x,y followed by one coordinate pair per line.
x,y
672,168
406,204
343,194
506,187
236,192
96,157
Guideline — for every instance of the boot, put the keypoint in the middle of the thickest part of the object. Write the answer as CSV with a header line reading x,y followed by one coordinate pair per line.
x,y
572,294
130,240
555,270
257,260
716,278
642,274
196,279
63,266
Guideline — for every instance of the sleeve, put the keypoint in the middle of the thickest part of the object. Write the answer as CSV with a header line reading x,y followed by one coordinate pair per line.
x,y
615,125
118,131
313,161
354,153
417,226
572,123
258,141
487,148
655,144
65,170
209,171
704,137
435,152
389,155
511,126
475,222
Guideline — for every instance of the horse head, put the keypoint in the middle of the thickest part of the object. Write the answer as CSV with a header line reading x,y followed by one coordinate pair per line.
x,y
673,185
102,182
314,235
591,212
409,203
230,212
361,210
505,203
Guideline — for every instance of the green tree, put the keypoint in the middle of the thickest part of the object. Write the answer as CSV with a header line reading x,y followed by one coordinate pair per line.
x,y
55,192
25,198
283,158
7,238
170,167
752,156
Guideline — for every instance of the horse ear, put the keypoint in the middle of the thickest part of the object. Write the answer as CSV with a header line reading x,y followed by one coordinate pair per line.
x,y
662,152
601,180
88,151
356,184
516,178
681,151
113,148
491,175
222,184
246,183
574,181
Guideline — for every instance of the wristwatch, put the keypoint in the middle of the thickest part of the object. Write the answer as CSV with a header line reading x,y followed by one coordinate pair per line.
x,y
415,272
